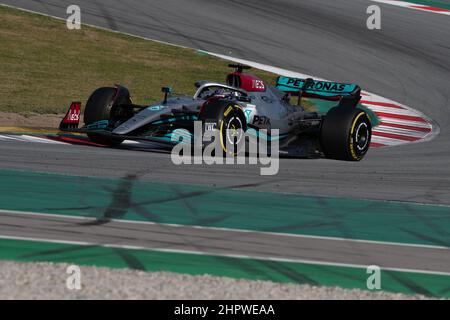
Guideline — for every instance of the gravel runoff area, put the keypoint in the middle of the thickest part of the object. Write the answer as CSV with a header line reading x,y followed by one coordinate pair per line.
x,y
48,281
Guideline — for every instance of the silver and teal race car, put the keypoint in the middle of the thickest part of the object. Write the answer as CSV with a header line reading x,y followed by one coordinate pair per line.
x,y
243,104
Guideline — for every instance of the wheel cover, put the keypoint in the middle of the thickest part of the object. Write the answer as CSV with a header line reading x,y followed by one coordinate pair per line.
x,y
362,136
234,130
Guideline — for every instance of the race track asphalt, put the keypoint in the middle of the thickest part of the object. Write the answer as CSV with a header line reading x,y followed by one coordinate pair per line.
x,y
408,61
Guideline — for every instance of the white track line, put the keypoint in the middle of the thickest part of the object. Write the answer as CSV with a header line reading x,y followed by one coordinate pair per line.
x,y
42,140
236,256
405,112
387,141
12,137
62,216
405,122
401,131
28,138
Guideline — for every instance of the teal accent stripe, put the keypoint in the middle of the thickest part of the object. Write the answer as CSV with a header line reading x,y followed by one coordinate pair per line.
x,y
285,272
102,124
168,120
224,207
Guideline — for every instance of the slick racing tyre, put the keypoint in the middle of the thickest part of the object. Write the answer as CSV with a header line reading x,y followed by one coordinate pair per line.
x,y
99,108
229,120
346,134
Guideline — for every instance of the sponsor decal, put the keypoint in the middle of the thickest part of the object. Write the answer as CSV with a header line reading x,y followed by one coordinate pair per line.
x,y
248,114
210,126
317,85
228,111
261,121
73,115
258,84
156,108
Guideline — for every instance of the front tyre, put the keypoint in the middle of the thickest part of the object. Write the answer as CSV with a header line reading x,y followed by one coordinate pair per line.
x,y
229,120
346,134
98,108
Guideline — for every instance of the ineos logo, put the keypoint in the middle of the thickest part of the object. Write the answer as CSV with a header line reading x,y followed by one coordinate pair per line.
x,y
258,84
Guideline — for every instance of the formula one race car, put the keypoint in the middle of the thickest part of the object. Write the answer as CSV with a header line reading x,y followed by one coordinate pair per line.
x,y
246,103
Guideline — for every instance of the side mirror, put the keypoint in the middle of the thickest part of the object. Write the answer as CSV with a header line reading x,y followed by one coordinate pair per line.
x,y
167,91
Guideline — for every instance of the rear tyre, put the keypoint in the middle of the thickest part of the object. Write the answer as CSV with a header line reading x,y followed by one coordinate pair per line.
x,y
346,134
99,108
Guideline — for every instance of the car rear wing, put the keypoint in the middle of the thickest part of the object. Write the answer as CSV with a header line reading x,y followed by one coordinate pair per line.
x,y
317,89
